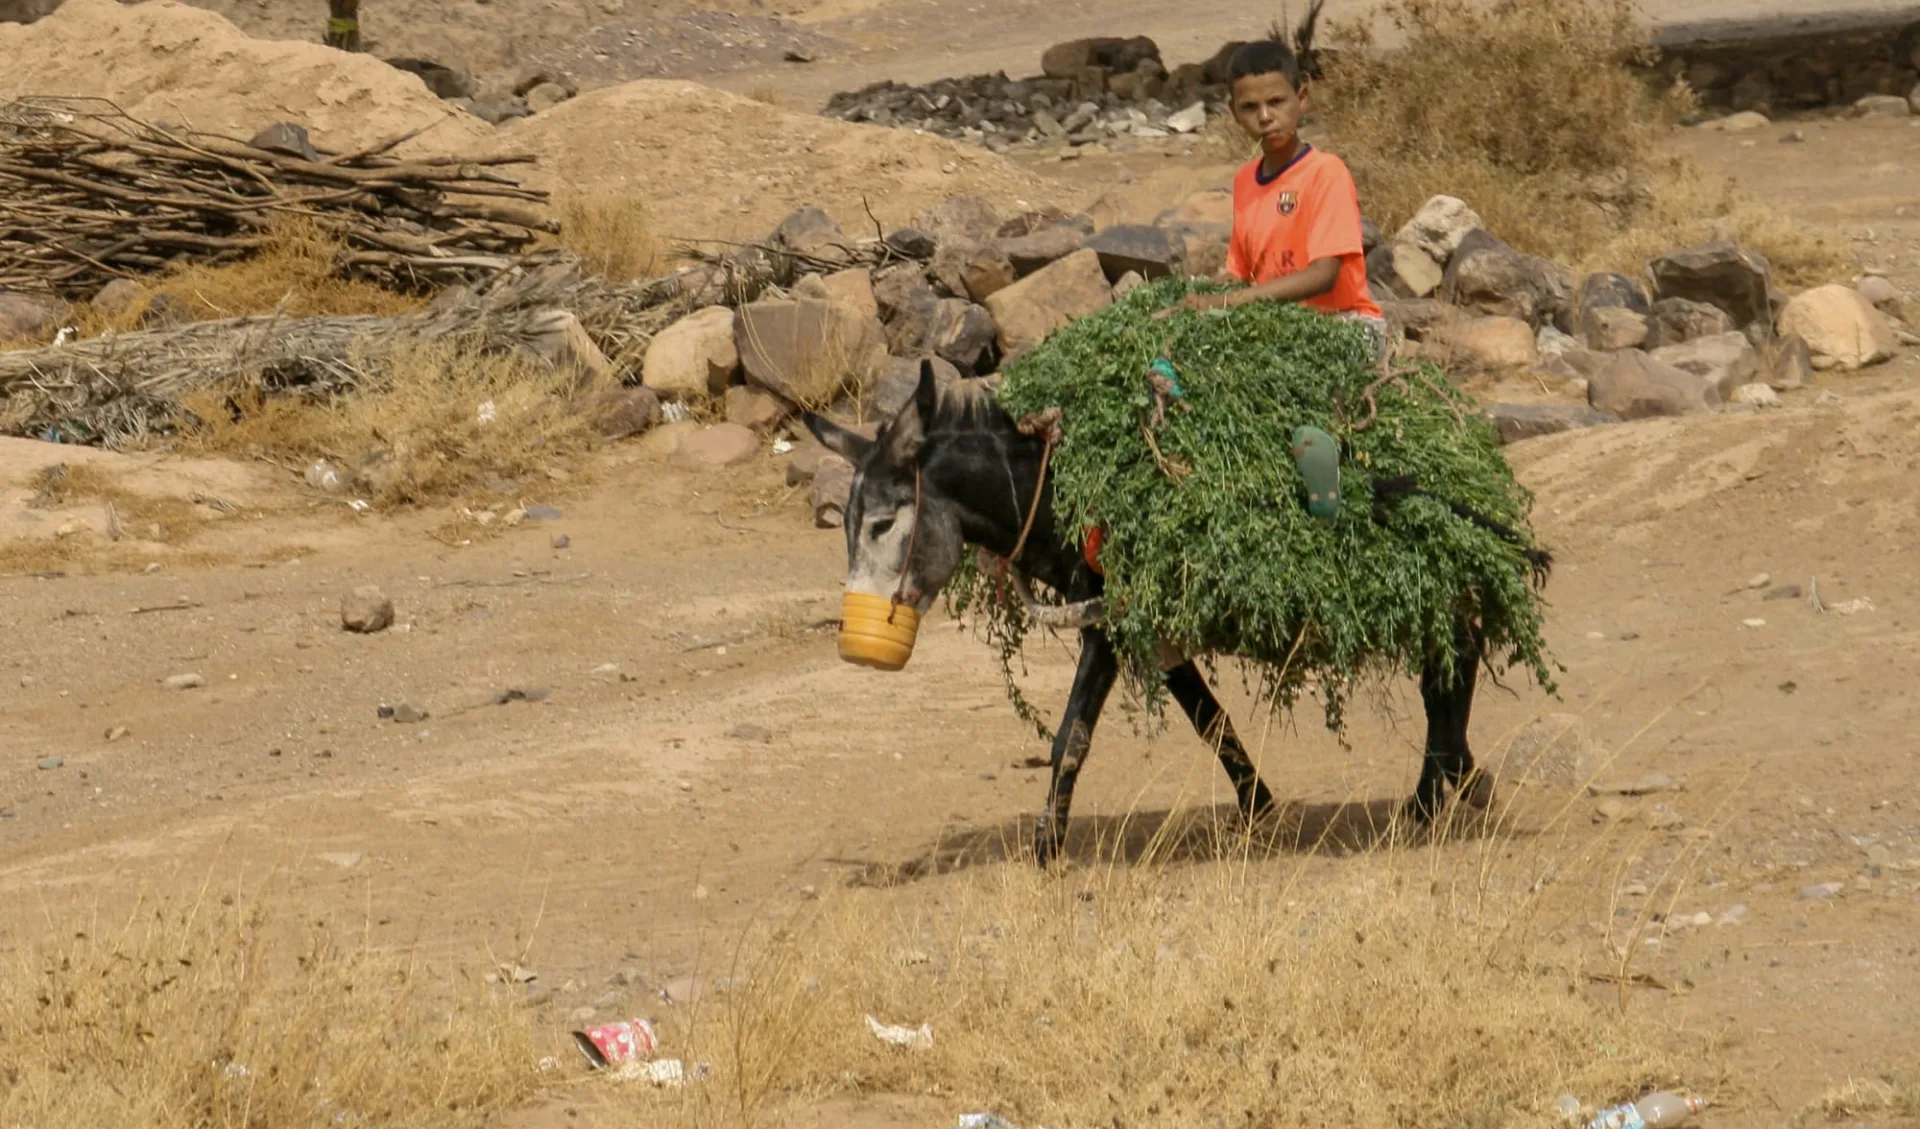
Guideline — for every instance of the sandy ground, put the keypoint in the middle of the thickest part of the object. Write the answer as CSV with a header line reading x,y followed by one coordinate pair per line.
x,y
623,819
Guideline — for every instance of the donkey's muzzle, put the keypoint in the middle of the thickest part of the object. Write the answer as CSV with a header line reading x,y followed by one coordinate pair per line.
x,y
876,632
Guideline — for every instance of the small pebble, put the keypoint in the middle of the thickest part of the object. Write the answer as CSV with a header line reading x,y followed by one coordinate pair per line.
x,y
1784,592
1821,892
543,513
1610,810
48,764
583,1014
405,714
1760,580
1754,623
759,733
116,733
1665,818
562,541
1634,890
1733,915
28,682
183,682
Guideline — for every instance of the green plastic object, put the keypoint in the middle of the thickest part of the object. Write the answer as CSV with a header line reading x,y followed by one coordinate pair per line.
x,y
1318,456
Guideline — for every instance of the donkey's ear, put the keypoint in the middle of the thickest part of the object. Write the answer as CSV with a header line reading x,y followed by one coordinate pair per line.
x,y
849,445
926,396
908,430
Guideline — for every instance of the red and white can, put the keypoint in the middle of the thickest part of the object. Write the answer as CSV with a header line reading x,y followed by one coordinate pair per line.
x,y
611,1044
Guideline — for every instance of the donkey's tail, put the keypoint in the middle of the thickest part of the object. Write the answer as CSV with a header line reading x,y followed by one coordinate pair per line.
x,y
1385,490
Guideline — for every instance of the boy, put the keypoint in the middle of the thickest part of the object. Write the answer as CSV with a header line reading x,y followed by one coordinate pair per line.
x,y
1296,212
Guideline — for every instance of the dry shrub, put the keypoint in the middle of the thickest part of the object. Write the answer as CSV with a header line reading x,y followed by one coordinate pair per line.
x,y
448,417
150,517
1231,992
1859,1099
1529,110
194,1018
612,234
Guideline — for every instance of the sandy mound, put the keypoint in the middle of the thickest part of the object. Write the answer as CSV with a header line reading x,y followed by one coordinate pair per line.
x,y
166,61
716,165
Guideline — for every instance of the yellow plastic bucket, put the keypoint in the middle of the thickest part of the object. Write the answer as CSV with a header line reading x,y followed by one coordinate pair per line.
x,y
867,639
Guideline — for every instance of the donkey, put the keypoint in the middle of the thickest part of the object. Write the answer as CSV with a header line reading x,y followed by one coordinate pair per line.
x,y
951,469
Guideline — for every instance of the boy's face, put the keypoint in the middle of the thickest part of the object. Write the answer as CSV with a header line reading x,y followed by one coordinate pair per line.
x,y
1269,109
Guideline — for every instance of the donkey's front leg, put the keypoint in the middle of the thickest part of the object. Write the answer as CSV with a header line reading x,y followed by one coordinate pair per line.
x,y
1098,667
1189,688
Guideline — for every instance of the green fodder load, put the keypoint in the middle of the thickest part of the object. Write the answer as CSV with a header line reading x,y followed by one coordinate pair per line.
x,y
1209,546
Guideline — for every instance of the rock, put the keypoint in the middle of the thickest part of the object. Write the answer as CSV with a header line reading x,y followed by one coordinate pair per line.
x,y
1611,328
523,84
542,512
967,218
118,298
851,290
1676,321
807,351
1048,125
810,231
621,413
1489,277
1141,248
1129,282
912,243
755,410
1189,120
805,460
545,97
1028,253
493,111
1404,270
1878,292
832,484
901,378
1786,363
1840,326
1493,342
1439,227
759,734
1119,56
962,333
972,270
288,139
1742,122
1550,341
1212,206
664,440
1756,395
25,317
1823,892
1047,299
444,81
403,713
1664,818
559,339
722,445
1720,274
1530,421
366,610
1883,106
694,359
182,682
1557,751
48,764
1726,360
1633,385
1203,248
1415,317
1610,811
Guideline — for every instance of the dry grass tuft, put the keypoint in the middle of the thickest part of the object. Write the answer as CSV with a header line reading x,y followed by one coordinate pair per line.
x,y
1880,1098
181,1020
1528,110
613,236
450,418
160,518
1221,993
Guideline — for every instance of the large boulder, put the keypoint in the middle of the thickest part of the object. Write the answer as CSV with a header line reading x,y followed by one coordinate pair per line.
x,y
27,317
1492,342
1725,360
1403,270
722,445
1634,385
1047,299
807,351
1840,327
966,218
1028,253
811,232
1786,363
558,338
754,409
1415,317
971,270
901,379
961,333
1605,291
1721,274
1516,422
1142,249
619,413
693,359
1489,277
851,289
1676,321
1610,328
1203,247
1118,56
1440,226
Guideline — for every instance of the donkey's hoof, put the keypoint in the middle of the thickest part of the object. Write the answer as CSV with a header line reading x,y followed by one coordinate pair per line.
x,y
1476,791
1047,844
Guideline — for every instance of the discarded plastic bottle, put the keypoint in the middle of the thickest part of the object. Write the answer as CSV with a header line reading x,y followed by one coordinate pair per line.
x,y
1658,1110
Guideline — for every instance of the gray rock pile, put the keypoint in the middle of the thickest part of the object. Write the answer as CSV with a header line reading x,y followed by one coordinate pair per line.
x,y
1089,91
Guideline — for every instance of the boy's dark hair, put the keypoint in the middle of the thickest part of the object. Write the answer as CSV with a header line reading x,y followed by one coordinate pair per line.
x,y
1276,55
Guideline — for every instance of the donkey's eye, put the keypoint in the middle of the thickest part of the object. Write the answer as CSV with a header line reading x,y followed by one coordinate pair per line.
x,y
880,528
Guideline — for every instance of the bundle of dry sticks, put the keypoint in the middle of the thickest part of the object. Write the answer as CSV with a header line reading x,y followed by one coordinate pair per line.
x,y
89,194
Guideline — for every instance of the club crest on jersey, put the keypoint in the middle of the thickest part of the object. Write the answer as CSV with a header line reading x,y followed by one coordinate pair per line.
x,y
1288,202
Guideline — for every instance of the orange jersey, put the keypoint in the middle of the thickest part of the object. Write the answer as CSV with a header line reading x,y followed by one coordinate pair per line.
x,y
1310,211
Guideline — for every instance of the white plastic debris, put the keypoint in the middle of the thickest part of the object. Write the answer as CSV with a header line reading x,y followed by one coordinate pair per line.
x,y
323,475
673,411
65,335
782,446
1852,607
486,412
920,1038
360,505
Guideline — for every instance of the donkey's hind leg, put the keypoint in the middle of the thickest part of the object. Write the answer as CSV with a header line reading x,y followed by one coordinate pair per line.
x,y
1190,689
1449,705
1099,665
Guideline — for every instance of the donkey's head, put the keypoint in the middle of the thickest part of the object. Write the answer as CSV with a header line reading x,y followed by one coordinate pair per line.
x,y
904,536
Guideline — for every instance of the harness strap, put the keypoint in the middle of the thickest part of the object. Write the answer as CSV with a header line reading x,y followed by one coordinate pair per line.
x,y
1033,509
